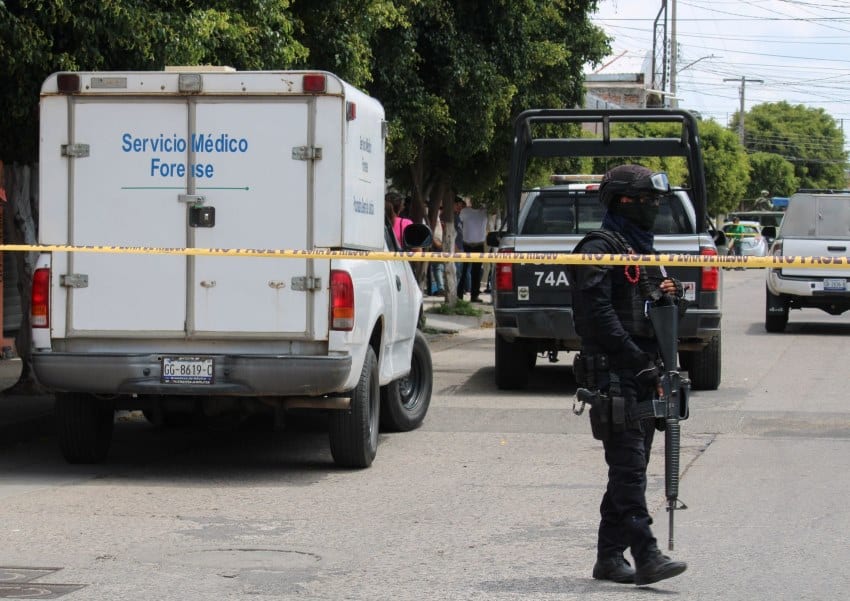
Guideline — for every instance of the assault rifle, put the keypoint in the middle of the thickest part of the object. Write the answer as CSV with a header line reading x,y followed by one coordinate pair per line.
x,y
672,405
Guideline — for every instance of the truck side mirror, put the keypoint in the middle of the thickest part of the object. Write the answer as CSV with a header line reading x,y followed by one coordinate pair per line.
x,y
494,239
769,231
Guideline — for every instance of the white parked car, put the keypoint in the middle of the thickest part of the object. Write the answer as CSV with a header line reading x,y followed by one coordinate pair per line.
x,y
753,243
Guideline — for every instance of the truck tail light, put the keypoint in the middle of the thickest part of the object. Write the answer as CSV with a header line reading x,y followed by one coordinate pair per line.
x,y
342,301
505,274
40,305
710,275
314,82
68,83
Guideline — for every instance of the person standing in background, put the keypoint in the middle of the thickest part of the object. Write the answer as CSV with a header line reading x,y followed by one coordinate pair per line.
x,y
436,270
474,222
395,200
461,269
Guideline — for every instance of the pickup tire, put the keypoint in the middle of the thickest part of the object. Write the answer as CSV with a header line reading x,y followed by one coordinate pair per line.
x,y
514,362
775,321
353,432
704,366
404,402
84,425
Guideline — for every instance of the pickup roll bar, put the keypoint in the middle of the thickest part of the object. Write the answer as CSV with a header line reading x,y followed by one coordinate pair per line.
x,y
527,145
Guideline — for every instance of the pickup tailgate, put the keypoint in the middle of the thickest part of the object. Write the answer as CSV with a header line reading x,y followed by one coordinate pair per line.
x,y
189,172
813,247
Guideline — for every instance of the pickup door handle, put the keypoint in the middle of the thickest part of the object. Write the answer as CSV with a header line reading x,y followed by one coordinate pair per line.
x,y
837,248
398,283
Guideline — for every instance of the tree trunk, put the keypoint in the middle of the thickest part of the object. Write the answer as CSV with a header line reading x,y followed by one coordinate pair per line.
x,y
22,195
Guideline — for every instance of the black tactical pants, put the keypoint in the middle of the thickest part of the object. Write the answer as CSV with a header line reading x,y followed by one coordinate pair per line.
x,y
625,520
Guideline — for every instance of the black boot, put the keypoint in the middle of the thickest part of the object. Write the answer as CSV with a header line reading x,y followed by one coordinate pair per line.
x,y
615,568
657,567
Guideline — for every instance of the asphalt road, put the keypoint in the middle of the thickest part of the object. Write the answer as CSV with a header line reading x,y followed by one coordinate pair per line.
x,y
495,497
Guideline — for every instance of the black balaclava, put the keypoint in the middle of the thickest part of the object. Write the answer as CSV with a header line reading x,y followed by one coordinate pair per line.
x,y
641,214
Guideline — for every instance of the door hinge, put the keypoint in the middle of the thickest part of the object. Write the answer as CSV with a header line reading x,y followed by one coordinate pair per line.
x,y
74,280
305,283
306,153
76,151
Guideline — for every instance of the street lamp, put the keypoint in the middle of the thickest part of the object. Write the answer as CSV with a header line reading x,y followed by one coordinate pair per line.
x,y
673,96
692,63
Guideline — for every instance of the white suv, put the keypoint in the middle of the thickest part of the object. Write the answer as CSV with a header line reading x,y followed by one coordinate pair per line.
x,y
816,225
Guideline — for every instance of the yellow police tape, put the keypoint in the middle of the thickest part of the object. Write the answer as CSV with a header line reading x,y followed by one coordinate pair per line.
x,y
541,258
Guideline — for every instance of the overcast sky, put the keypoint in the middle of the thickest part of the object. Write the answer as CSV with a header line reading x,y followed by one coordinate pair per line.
x,y
799,48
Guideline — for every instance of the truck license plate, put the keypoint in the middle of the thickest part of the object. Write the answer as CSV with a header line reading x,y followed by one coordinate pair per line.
x,y
187,370
834,284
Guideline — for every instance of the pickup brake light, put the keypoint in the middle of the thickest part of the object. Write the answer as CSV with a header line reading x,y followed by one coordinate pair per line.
x,y
505,274
40,305
710,274
342,301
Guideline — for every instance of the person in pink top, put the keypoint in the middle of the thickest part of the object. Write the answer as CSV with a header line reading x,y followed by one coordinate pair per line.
x,y
394,203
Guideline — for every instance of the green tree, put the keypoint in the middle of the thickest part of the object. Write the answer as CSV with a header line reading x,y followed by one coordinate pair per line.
x,y
340,35
807,137
726,166
39,37
772,173
727,171
453,80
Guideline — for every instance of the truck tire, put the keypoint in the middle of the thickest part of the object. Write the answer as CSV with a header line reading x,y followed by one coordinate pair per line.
x,y
704,366
84,425
353,432
775,321
514,361
404,402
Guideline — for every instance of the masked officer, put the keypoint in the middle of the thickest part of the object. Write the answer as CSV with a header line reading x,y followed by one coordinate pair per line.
x,y
619,347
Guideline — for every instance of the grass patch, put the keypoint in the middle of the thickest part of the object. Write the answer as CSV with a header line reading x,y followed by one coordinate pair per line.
x,y
461,308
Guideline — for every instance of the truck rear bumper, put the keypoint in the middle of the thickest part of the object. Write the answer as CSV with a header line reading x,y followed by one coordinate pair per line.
x,y
696,328
240,375
538,323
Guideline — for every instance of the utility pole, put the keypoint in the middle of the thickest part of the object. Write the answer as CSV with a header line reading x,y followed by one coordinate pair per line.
x,y
673,52
743,79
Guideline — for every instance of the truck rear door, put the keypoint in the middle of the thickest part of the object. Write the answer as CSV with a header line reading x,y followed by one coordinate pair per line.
x,y
817,226
181,172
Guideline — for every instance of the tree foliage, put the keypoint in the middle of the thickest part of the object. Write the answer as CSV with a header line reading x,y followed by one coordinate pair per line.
x,y
39,37
453,80
808,138
727,171
772,173
726,166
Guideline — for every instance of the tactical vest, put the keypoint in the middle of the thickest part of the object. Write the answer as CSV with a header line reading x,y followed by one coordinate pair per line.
x,y
632,285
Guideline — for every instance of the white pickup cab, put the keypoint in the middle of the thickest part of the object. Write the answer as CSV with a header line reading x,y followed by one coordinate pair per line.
x,y
196,158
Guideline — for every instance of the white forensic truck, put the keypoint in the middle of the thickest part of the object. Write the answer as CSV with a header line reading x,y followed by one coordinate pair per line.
x,y
220,159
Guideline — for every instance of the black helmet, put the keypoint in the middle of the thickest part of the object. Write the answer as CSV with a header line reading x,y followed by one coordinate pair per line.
x,y
631,180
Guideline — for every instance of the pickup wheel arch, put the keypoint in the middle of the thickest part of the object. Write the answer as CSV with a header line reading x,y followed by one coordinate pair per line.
x,y
405,401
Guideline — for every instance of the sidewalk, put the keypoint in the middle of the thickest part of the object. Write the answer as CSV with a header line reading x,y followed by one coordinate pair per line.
x,y
451,324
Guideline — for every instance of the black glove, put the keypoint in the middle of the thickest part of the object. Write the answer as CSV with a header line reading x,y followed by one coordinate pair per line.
x,y
649,376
